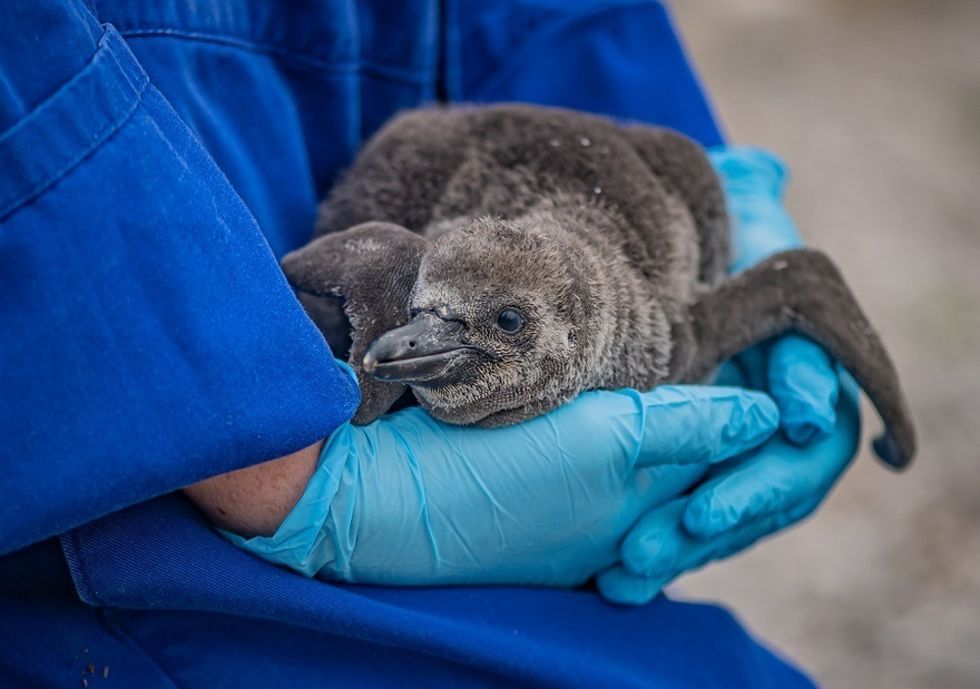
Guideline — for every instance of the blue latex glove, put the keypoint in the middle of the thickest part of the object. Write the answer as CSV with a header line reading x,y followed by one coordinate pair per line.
x,y
745,500
797,372
409,500
755,497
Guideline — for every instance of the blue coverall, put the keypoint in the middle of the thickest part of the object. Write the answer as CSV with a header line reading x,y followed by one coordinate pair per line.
x,y
155,160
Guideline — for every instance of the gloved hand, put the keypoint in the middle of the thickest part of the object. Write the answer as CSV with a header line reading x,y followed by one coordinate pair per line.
x,y
745,500
409,500
797,372
740,503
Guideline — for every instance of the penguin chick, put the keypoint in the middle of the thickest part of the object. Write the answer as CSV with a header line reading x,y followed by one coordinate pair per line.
x,y
501,260
540,316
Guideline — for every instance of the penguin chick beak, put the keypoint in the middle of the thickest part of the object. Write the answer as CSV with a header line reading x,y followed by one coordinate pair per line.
x,y
422,351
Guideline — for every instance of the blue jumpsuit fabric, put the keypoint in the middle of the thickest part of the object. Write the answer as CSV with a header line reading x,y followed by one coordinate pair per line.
x,y
155,160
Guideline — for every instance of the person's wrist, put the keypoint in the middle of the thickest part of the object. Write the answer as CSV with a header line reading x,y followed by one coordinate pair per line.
x,y
754,181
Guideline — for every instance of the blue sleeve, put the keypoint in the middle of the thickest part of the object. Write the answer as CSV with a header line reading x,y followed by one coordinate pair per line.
x,y
149,339
622,59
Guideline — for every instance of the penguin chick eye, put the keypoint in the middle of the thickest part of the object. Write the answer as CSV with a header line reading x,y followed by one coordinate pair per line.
x,y
510,320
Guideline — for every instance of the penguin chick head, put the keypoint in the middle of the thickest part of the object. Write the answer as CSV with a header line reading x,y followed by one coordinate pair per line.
x,y
499,321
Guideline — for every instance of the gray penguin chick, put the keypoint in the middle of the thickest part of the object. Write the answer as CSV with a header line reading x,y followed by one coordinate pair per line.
x,y
501,260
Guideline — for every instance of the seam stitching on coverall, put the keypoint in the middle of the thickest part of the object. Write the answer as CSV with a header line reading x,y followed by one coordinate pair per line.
x,y
97,139
303,61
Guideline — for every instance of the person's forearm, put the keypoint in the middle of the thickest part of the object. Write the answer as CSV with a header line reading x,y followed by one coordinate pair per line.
x,y
153,408
254,500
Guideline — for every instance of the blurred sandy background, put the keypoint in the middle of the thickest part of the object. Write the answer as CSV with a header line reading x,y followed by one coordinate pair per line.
x,y
876,106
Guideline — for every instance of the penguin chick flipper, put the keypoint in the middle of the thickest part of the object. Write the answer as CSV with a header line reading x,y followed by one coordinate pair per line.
x,y
803,290
371,269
